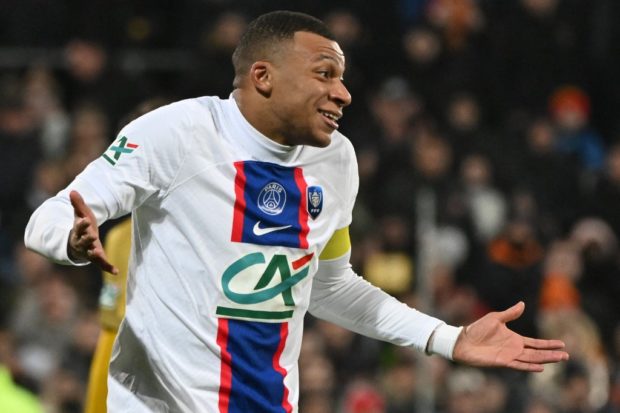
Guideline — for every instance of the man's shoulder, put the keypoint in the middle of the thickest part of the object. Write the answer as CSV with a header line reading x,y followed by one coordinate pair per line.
x,y
180,115
187,108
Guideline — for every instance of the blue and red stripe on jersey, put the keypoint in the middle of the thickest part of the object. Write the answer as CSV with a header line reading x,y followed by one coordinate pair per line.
x,y
251,377
288,214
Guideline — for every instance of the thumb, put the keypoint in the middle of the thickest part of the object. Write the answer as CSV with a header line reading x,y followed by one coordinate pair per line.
x,y
79,206
512,313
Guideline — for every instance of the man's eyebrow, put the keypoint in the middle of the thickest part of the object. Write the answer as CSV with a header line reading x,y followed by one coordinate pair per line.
x,y
324,56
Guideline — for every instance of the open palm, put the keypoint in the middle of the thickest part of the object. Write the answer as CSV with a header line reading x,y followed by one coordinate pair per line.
x,y
488,342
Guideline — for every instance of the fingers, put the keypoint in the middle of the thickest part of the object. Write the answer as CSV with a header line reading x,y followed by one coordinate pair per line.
x,y
85,234
531,367
534,360
98,257
542,356
84,240
80,227
543,344
512,313
94,252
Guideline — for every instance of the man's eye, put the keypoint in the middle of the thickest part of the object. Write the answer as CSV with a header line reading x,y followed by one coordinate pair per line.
x,y
324,73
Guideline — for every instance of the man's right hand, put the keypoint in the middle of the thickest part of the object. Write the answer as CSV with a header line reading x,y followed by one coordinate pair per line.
x,y
84,242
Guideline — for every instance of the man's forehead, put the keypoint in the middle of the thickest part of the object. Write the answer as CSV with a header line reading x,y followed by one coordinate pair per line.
x,y
319,47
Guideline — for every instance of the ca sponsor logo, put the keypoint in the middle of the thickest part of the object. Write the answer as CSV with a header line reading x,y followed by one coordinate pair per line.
x,y
118,148
262,283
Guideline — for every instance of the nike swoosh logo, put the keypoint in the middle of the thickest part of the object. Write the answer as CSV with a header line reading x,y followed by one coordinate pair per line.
x,y
258,231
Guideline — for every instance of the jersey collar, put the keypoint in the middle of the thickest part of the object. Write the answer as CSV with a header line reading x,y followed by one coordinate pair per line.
x,y
258,145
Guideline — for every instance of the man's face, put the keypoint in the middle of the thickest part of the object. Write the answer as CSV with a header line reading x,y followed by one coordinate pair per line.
x,y
308,94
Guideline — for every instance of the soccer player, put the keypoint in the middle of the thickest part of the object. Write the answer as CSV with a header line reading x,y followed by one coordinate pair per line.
x,y
240,211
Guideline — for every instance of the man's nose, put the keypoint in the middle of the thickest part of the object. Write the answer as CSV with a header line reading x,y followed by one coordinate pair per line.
x,y
340,94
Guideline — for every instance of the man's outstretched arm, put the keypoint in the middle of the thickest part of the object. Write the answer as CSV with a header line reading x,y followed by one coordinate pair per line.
x,y
342,297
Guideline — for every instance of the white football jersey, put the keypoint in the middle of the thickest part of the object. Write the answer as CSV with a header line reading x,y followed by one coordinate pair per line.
x,y
228,230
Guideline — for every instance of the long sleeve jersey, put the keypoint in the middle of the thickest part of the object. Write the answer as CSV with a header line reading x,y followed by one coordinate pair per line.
x,y
229,229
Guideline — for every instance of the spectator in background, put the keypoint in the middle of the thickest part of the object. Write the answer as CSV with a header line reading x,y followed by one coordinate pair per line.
x,y
91,78
570,111
67,386
464,391
562,269
467,131
19,154
42,99
602,200
400,384
385,145
459,23
422,48
486,205
583,383
551,177
212,72
362,397
536,45
513,269
89,137
41,325
599,284
13,398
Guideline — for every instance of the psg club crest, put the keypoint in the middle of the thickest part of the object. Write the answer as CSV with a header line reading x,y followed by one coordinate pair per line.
x,y
272,199
315,201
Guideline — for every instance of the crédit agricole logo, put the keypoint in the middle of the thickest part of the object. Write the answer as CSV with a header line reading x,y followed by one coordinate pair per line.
x,y
260,290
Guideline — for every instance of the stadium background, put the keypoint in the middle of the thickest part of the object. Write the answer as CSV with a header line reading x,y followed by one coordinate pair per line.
x,y
487,135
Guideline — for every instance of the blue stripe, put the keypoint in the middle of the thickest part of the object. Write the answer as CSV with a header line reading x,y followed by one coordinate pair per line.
x,y
256,387
258,176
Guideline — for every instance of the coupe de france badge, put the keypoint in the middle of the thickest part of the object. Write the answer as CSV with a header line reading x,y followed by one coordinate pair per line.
x,y
315,201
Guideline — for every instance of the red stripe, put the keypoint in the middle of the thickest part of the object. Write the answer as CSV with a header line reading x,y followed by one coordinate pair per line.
x,y
226,365
303,208
277,367
132,145
300,262
237,230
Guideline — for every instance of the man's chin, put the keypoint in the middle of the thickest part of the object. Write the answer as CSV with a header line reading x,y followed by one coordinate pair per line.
x,y
321,139
323,143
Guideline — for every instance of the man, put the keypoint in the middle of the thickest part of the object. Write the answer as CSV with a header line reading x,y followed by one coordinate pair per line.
x,y
240,216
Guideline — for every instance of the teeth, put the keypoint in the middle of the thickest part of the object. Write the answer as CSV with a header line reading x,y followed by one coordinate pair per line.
x,y
330,116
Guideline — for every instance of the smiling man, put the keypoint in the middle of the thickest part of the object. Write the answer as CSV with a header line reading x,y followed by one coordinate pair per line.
x,y
240,215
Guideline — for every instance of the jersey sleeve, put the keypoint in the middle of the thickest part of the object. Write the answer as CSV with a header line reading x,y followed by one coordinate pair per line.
x,y
344,298
141,163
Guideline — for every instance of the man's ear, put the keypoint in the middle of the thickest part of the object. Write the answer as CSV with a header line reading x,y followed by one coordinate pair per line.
x,y
261,76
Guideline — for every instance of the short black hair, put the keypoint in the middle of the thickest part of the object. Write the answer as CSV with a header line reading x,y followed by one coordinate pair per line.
x,y
266,31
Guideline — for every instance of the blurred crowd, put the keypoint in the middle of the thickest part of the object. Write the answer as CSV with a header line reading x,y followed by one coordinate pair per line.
x,y
488,140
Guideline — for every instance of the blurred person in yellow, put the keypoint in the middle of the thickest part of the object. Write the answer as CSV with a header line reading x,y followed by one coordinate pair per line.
x,y
15,399
112,310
